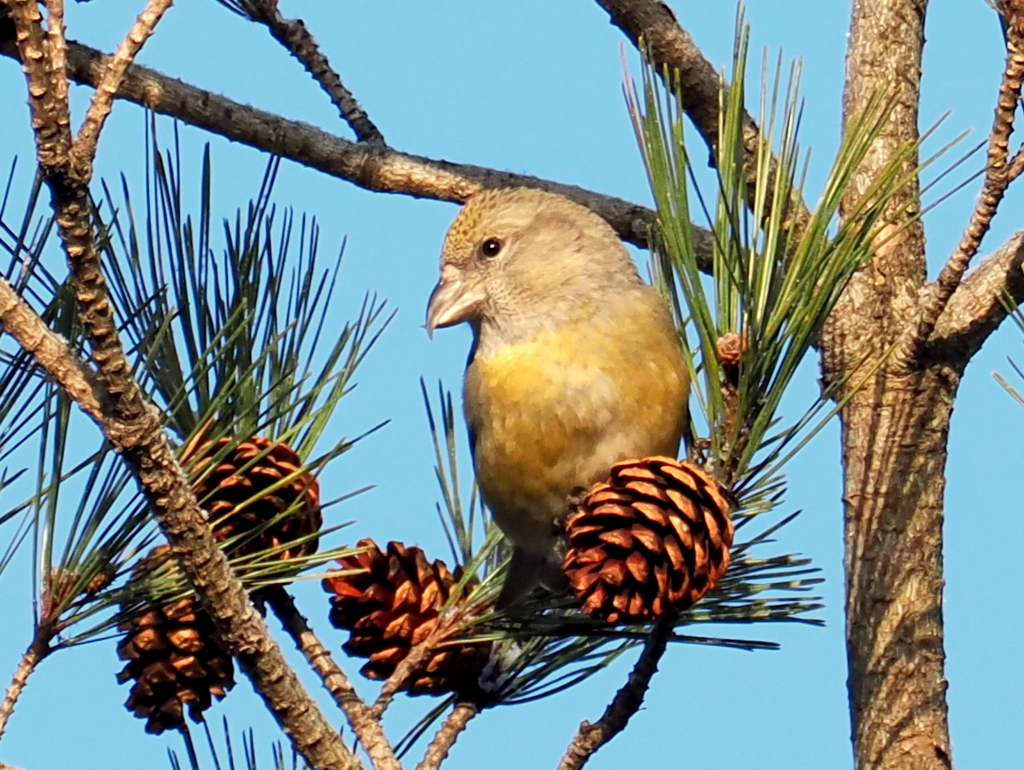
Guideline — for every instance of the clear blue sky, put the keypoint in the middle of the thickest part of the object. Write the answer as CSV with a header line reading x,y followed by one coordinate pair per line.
x,y
535,86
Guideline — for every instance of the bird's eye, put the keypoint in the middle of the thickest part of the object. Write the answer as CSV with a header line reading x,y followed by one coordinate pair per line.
x,y
490,247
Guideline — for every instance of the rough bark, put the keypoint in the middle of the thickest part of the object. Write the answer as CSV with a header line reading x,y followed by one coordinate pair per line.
x,y
439,748
894,454
37,650
364,724
894,433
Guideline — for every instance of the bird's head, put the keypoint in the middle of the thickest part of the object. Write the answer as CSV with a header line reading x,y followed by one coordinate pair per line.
x,y
517,259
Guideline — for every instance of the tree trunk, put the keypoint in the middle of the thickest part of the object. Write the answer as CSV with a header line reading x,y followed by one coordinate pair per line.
x,y
894,434
894,454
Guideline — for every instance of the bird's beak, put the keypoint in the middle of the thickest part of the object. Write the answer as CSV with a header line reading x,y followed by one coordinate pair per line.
x,y
453,301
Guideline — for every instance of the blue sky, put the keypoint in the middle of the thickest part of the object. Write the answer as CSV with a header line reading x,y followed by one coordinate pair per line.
x,y
535,86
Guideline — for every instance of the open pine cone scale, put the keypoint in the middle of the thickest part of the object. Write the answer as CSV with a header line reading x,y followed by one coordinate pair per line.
x,y
391,601
650,541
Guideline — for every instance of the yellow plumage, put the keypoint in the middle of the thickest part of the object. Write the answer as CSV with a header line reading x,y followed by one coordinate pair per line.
x,y
576,362
556,412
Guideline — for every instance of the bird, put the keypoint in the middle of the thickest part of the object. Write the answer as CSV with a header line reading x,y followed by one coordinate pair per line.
x,y
575,364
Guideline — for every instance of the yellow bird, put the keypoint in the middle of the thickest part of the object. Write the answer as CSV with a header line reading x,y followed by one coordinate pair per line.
x,y
575,364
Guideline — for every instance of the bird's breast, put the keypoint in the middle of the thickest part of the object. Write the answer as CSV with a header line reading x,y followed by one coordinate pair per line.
x,y
555,412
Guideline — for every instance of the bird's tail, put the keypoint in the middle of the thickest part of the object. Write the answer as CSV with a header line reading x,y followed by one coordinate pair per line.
x,y
528,571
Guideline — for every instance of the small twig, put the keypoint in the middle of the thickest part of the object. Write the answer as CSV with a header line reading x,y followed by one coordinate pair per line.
x,y
297,39
84,149
590,737
405,668
448,626
35,653
50,351
446,736
365,726
58,48
1016,166
998,175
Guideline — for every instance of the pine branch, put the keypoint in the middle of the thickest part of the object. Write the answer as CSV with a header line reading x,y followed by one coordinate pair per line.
x,y
363,722
133,426
299,41
446,736
590,737
378,169
36,652
999,173
145,448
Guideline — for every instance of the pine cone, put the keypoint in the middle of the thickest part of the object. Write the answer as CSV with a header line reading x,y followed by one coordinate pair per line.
x,y
391,605
173,657
237,479
60,585
650,541
731,347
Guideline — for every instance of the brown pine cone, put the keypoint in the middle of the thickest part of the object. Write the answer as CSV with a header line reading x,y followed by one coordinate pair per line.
x,y
61,583
731,347
650,541
174,659
239,477
392,604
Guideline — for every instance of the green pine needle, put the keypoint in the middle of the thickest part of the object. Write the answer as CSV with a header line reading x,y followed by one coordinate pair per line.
x,y
233,343
776,273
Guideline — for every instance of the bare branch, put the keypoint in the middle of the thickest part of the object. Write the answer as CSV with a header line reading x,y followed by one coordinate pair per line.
x,y
297,39
997,180
378,169
980,304
50,351
84,149
406,667
57,49
590,737
446,736
366,727
50,117
36,652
